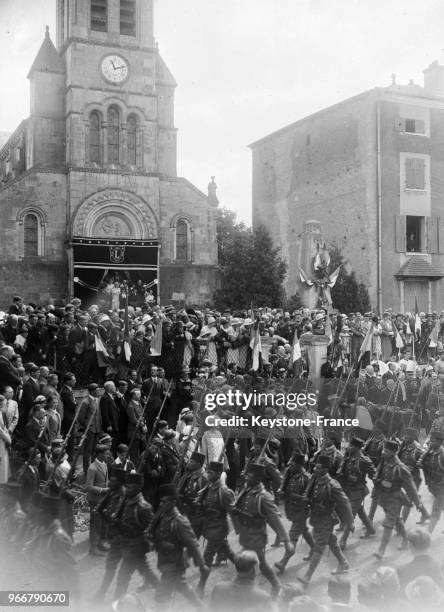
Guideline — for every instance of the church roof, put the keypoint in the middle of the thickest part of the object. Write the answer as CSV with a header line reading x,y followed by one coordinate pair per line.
x,y
418,266
47,59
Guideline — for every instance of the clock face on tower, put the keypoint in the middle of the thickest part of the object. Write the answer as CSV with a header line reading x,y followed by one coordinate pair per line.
x,y
114,69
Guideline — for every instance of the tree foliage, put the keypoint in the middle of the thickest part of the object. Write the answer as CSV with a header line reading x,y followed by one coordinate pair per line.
x,y
251,269
348,295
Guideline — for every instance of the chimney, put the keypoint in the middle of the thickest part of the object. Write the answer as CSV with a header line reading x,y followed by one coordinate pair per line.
x,y
434,78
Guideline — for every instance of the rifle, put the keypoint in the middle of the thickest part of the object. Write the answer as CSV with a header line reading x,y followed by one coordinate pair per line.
x,y
188,441
31,454
139,421
153,431
80,446
64,445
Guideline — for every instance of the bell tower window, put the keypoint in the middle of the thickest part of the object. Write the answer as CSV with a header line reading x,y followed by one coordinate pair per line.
x,y
132,129
99,15
113,135
94,137
128,17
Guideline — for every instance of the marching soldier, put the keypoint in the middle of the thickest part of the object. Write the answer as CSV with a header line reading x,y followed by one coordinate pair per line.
x,y
193,481
293,488
152,465
108,509
12,516
254,509
172,533
355,469
409,454
215,501
432,464
330,450
273,478
373,449
395,489
51,546
326,498
135,515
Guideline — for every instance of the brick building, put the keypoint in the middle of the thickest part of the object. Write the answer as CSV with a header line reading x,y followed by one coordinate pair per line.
x,y
88,183
367,175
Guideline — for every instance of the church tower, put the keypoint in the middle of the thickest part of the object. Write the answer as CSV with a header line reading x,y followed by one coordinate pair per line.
x,y
101,166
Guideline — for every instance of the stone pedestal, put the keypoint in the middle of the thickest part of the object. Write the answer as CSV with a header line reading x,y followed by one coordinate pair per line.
x,y
316,347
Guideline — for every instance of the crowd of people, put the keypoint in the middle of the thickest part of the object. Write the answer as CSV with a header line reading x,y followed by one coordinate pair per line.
x,y
108,403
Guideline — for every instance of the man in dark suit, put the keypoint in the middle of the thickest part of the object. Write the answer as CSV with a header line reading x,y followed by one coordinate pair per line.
x,y
9,375
36,433
29,478
9,331
110,414
122,405
89,409
31,389
76,342
69,410
156,386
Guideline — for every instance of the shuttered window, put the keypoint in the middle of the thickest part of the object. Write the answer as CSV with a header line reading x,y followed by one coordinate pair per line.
x,y
94,137
113,135
400,234
432,234
414,173
128,17
99,15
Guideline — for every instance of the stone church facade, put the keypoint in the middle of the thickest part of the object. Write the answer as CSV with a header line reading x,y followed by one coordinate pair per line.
x,y
88,183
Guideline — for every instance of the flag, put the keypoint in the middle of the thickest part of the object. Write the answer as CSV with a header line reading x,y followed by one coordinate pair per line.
x,y
127,350
417,318
434,333
367,342
255,344
296,351
327,330
102,352
398,340
156,342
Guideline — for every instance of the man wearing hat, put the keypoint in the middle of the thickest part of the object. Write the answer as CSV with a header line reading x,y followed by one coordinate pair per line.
x,y
293,490
108,509
152,466
330,449
31,389
410,453
241,592
97,487
215,501
169,456
327,501
432,464
172,533
254,509
135,515
193,481
89,411
355,469
396,488
52,547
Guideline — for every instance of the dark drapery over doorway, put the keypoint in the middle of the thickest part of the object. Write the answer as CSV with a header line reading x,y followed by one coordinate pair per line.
x,y
96,260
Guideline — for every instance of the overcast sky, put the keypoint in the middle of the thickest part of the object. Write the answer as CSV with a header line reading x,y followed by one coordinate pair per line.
x,y
248,67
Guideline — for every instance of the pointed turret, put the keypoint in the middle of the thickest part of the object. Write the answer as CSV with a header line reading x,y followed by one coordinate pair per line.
x,y
47,59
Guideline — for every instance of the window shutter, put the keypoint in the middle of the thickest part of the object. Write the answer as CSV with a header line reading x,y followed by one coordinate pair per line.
x,y
432,235
414,173
400,234
441,234
419,126
399,124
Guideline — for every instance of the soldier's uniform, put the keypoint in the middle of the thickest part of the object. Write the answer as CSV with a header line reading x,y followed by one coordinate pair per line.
x,y
215,501
172,533
109,509
296,510
191,483
51,547
335,456
254,510
272,478
409,454
326,500
352,476
373,449
152,470
135,515
395,489
432,464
